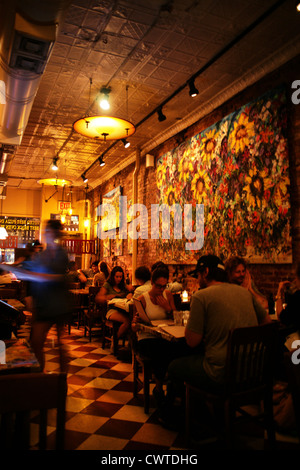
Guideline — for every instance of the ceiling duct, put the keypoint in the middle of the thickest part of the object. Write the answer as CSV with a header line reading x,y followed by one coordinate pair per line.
x,y
3,192
6,154
28,31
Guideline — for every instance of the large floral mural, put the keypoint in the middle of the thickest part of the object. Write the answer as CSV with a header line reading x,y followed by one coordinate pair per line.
x,y
239,170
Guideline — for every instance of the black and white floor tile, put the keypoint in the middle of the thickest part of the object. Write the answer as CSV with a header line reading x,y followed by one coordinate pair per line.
x,y
101,412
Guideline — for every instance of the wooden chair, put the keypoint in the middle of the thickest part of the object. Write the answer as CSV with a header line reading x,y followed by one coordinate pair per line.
x,y
142,372
292,367
8,293
22,393
249,370
110,332
93,315
78,306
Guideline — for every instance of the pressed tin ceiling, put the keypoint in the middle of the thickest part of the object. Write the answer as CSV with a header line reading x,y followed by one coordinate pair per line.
x,y
145,51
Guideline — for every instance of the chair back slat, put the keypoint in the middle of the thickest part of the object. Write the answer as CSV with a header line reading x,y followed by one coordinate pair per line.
x,y
250,356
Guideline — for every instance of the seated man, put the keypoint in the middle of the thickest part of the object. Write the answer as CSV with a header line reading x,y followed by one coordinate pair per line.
x,y
90,273
238,273
288,301
74,275
143,278
216,308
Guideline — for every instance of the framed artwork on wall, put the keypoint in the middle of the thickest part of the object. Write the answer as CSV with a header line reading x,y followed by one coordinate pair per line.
x,y
106,247
238,169
112,219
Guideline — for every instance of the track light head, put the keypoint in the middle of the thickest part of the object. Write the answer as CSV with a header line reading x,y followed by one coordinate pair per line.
x,y
101,161
161,116
193,90
54,164
84,178
126,143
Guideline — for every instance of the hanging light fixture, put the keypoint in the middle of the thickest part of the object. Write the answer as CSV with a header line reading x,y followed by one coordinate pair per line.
x,y
104,127
193,90
54,182
104,102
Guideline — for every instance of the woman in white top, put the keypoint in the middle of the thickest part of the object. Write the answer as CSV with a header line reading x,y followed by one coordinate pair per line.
x,y
159,305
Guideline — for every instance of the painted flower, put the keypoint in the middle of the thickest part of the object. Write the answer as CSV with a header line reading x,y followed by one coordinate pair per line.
x,y
208,145
185,167
281,192
170,196
200,186
242,133
221,241
255,217
257,184
238,231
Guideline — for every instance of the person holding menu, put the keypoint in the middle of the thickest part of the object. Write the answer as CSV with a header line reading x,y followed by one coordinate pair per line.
x,y
158,304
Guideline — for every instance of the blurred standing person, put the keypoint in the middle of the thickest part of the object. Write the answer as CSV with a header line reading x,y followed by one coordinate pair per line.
x,y
51,302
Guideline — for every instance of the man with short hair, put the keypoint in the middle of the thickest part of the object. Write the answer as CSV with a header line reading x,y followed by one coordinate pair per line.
x,y
216,308
143,278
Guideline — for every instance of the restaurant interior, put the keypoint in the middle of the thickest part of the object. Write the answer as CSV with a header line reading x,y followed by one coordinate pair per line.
x,y
202,116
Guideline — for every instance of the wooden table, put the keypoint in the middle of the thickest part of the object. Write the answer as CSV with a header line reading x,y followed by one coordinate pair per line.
x,y
16,356
164,332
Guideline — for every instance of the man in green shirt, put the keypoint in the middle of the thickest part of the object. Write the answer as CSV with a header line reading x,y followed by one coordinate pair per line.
x,y
216,308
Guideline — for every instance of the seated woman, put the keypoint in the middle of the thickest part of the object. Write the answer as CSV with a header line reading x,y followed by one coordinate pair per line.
x,y
159,305
115,288
238,273
288,301
102,275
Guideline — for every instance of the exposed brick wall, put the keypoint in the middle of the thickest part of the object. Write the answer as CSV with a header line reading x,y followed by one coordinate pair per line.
x,y
266,276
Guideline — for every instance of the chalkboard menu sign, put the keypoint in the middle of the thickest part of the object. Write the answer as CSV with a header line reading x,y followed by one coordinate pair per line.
x,y
26,229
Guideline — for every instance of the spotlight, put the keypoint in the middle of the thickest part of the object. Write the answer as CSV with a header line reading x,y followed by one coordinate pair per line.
x,y
125,143
101,161
54,164
84,178
193,90
298,6
161,116
104,103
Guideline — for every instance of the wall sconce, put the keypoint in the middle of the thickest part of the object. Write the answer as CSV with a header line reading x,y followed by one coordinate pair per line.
x,y
149,160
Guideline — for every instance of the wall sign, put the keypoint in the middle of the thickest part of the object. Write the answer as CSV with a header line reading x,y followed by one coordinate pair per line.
x,y
78,246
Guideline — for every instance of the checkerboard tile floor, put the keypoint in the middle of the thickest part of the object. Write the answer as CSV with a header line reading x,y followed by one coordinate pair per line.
x,y
101,412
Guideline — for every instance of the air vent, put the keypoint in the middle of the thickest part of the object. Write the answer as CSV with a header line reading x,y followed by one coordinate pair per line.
x,y
29,53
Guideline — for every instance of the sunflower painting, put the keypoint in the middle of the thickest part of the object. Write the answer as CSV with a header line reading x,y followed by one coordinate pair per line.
x,y
239,170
